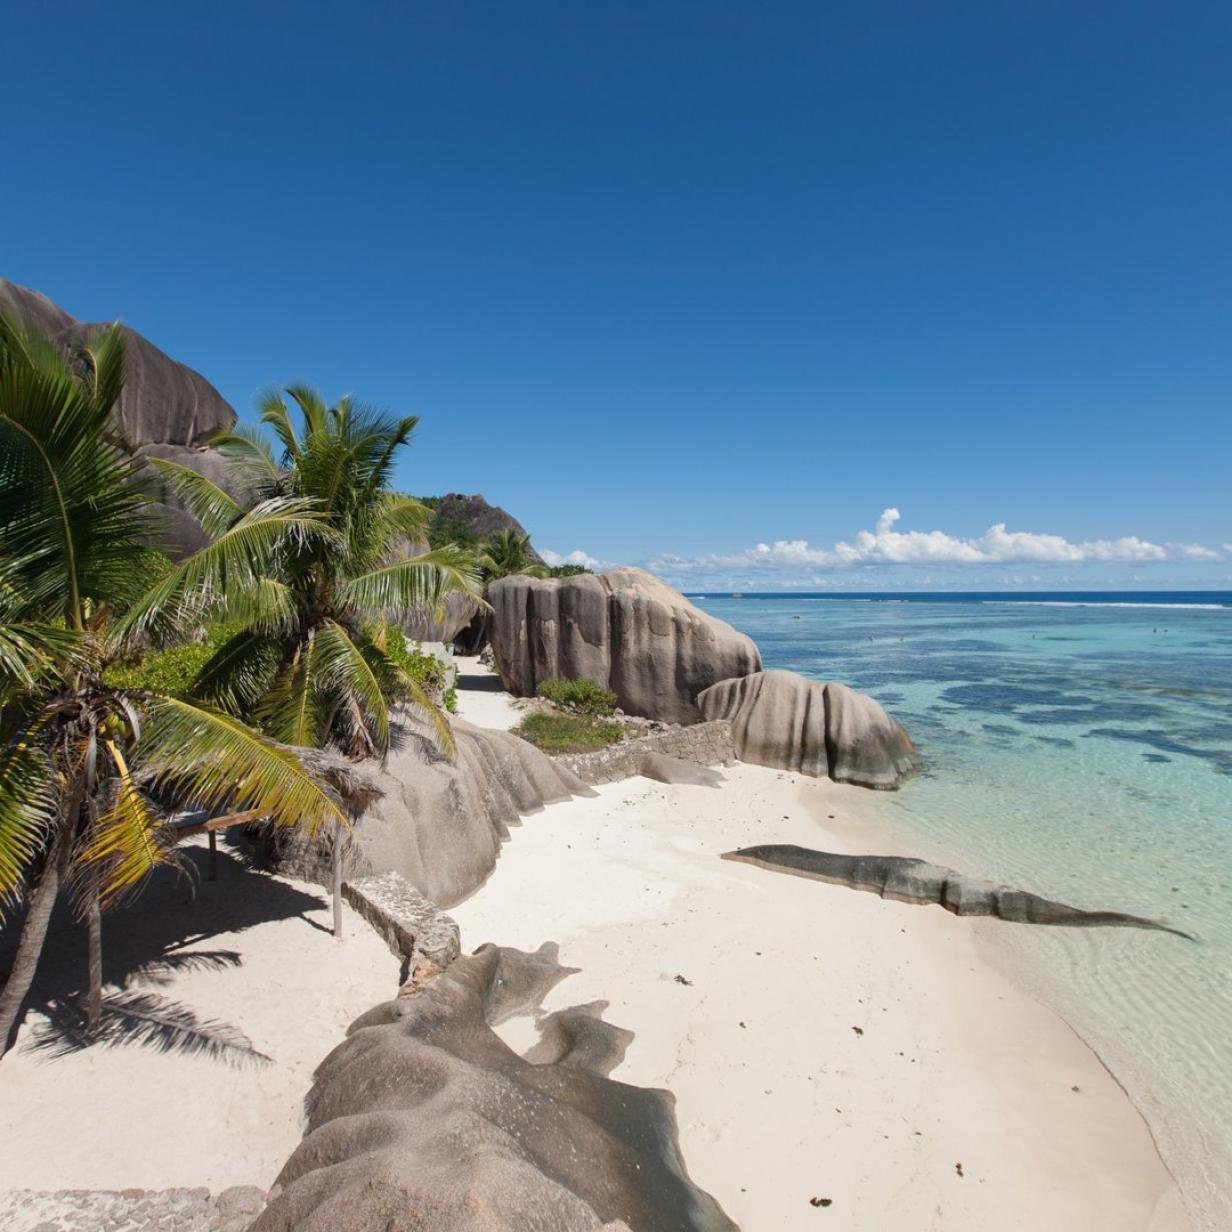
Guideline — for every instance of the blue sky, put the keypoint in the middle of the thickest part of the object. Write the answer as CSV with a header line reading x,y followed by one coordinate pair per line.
x,y
673,281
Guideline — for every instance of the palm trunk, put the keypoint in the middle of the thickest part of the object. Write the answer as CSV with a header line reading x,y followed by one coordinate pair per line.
x,y
34,932
338,881
94,1005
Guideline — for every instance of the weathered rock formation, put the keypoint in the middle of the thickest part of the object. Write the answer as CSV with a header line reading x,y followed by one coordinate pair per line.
x,y
470,519
909,880
163,402
424,625
166,409
698,747
424,1120
624,629
438,821
782,720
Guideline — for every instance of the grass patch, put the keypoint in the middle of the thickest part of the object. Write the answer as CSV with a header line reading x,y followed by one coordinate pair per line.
x,y
579,696
554,731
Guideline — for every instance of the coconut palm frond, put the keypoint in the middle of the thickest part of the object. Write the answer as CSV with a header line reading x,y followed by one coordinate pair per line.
x,y
128,841
239,557
32,652
215,509
248,450
346,673
239,673
416,583
291,710
214,761
28,809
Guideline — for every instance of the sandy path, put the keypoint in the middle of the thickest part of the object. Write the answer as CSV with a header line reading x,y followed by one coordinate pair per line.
x,y
826,1044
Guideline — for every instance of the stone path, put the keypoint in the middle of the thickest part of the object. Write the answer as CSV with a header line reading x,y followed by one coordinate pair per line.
x,y
130,1210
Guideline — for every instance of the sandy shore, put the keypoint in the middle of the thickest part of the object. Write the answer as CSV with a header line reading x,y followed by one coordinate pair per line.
x,y
821,1043
243,991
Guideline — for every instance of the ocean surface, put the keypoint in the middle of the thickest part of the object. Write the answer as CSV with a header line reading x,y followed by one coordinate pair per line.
x,y
1079,746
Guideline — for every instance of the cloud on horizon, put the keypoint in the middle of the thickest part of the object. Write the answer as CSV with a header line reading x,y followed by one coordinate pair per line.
x,y
886,545
576,557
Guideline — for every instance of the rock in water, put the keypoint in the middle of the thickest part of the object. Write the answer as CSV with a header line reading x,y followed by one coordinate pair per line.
x,y
623,629
437,821
909,880
782,720
424,1120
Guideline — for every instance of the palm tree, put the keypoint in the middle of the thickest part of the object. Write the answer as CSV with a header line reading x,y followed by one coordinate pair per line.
x,y
505,553
88,770
309,656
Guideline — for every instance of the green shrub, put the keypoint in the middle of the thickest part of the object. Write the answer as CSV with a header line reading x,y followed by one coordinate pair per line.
x,y
567,570
580,696
554,731
424,669
171,670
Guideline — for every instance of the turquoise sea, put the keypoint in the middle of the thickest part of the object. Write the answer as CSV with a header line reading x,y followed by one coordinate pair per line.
x,y
1077,745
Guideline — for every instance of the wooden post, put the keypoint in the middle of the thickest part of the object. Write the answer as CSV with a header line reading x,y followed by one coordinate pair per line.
x,y
338,880
211,872
94,930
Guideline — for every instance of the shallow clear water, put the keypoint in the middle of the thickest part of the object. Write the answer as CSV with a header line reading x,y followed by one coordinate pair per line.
x,y
1083,752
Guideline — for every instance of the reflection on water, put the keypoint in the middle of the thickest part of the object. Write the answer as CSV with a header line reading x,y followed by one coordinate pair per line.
x,y
1084,753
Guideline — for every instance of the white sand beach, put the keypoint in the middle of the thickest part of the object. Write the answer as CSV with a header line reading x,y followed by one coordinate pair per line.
x,y
838,1061
202,1083
821,1042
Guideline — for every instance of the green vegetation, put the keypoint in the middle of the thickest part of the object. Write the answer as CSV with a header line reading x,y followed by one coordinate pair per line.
x,y
562,571
506,554
170,670
555,731
310,658
579,696
426,670
88,762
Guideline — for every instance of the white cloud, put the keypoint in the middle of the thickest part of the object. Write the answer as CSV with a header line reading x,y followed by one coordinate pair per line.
x,y
576,557
885,545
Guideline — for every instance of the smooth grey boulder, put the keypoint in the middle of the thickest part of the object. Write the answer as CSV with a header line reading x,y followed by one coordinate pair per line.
x,y
437,821
783,720
910,880
665,769
164,402
425,1120
424,625
624,629
166,410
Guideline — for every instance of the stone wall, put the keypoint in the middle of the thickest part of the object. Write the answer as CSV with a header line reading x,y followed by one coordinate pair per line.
x,y
704,744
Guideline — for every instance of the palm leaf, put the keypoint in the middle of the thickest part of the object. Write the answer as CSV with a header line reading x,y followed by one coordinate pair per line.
x,y
343,670
249,452
289,711
240,557
215,509
215,762
417,582
239,673
28,809
129,840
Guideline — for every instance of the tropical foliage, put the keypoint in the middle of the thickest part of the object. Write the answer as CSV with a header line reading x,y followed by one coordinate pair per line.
x,y
311,657
508,553
89,764
557,731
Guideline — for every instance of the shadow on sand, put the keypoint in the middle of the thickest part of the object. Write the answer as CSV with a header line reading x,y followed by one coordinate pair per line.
x,y
146,942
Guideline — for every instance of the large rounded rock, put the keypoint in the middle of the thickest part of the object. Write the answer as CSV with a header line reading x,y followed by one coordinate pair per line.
x,y
163,402
782,720
436,820
166,410
623,629
425,1120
